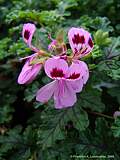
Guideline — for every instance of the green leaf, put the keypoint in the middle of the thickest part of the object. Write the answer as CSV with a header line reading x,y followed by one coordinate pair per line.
x,y
78,116
50,17
96,52
4,43
116,127
91,98
6,113
115,92
55,121
30,92
114,48
111,68
102,38
64,5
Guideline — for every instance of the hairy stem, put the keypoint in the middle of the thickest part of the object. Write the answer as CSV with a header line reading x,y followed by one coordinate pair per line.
x,y
100,114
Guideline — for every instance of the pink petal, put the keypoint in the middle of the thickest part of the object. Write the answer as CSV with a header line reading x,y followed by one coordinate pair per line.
x,y
27,33
78,70
84,71
74,71
76,85
116,114
56,68
46,92
29,72
64,95
33,55
78,75
80,41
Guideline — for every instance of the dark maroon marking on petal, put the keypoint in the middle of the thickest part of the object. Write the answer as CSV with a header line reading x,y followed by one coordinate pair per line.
x,y
82,39
84,51
26,34
76,51
73,39
57,73
74,76
90,42
78,39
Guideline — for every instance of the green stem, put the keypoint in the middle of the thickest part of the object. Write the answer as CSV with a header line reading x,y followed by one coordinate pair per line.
x,y
100,114
34,156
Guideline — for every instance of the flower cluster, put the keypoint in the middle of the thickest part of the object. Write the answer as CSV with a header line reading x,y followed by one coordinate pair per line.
x,y
68,73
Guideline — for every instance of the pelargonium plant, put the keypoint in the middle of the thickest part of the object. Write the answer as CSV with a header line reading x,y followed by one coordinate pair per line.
x,y
68,72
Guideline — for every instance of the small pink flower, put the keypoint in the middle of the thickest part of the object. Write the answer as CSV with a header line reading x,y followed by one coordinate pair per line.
x,y
52,45
116,114
67,82
80,41
29,72
27,34
28,31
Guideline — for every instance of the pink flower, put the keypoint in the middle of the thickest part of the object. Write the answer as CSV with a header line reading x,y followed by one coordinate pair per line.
x,y
52,45
116,114
27,34
80,41
29,72
67,82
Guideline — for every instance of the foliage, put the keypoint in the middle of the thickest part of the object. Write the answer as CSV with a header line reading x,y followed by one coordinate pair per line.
x,y
34,131
116,128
